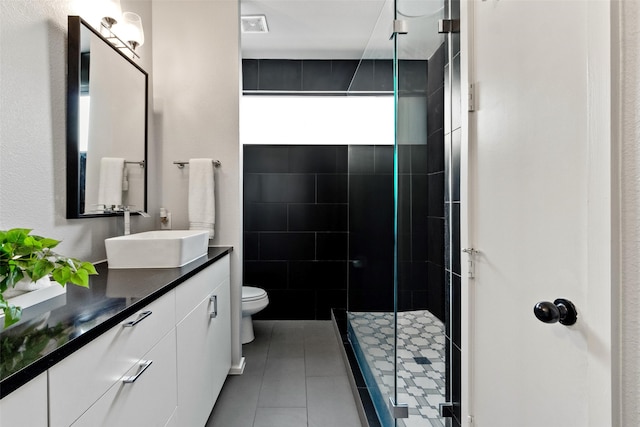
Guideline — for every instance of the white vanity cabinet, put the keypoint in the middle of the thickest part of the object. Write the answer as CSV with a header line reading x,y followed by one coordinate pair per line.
x,y
27,406
162,366
78,381
204,342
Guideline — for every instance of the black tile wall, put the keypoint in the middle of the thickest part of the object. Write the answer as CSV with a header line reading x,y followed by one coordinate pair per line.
x,y
251,247
363,77
317,217
318,275
435,152
250,72
283,188
435,111
297,234
314,159
287,246
383,159
383,75
435,67
332,246
361,159
266,159
436,194
419,158
266,274
266,217
280,74
414,76
332,188
332,75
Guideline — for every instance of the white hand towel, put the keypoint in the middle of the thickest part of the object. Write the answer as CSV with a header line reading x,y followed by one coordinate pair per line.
x,y
202,212
110,187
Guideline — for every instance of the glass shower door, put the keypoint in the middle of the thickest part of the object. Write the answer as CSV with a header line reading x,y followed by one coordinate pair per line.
x,y
400,241
421,297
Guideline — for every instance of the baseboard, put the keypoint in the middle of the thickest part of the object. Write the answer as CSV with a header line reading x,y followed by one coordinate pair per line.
x,y
239,368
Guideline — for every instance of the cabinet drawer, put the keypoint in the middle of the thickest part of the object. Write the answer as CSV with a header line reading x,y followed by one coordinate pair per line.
x,y
190,293
148,401
79,380
27,406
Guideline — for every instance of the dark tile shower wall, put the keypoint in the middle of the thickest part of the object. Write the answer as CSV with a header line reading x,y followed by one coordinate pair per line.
x,y
310,75
421,223
296,228
308,211
371,228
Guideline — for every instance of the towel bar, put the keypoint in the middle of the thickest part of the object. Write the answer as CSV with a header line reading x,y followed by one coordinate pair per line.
x,y
216,163
141,163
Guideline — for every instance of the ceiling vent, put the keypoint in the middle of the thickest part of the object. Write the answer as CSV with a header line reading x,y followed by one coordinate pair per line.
x,y
254,24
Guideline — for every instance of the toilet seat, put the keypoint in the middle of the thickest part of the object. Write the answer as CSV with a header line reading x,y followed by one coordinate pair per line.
x,y
249,293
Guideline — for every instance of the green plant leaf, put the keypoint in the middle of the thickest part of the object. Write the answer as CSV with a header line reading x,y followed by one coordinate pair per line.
x,y
90,268
12,313
49,243
17,235
80,278
41,268
62,275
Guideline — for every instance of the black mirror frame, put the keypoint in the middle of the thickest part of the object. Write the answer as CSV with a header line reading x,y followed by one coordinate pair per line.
x,y
73,96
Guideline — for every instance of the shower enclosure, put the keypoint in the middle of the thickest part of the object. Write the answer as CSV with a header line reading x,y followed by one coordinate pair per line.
x,y
403,305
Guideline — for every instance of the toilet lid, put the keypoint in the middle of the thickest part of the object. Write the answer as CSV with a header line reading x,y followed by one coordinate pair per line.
x,y
249,293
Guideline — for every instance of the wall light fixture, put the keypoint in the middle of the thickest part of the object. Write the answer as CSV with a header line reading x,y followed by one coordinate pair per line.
x,y
123,30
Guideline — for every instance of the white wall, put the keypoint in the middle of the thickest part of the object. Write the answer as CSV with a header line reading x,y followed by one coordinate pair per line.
x,y
630,209
33,61
196,107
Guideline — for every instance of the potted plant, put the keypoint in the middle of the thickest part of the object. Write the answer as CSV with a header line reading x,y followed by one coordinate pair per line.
x,y
24,256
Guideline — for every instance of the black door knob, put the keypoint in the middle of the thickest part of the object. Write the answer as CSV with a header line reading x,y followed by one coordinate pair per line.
x,y
561,310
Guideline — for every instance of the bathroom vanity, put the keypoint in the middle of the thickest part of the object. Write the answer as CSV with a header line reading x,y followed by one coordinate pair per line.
x,y
139,347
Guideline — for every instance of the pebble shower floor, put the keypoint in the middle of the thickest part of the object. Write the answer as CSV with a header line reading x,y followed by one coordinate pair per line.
x,y
421,360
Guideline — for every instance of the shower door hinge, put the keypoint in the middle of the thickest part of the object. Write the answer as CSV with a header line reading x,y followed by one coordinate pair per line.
x,y
399,27
448,26
471,265
398,410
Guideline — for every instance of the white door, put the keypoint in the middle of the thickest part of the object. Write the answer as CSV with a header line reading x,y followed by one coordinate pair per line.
x,y
539,210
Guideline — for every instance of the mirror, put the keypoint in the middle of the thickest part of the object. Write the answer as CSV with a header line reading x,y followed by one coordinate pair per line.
x,y
106,126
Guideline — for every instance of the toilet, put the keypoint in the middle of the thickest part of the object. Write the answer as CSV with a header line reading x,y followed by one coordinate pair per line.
x,y
253,300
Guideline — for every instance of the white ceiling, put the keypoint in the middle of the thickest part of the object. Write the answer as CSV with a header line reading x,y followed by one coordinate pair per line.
x,y
341,29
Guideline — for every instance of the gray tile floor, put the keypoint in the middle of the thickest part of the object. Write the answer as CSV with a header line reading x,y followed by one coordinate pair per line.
x,y
295,377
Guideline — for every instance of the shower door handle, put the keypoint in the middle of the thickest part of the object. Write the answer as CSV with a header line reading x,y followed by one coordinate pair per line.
x,y
358,262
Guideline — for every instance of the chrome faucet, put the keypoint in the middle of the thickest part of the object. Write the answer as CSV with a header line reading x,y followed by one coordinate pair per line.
x,y
127,218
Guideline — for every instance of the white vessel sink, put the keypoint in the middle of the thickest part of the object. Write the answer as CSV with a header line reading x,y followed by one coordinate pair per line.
x,y
156,249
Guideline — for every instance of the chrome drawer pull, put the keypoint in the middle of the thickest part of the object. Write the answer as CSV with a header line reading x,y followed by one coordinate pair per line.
x,y
140,318
144,364
214,300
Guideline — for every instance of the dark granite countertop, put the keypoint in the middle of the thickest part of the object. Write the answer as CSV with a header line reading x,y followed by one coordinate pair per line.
x,y
43,338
